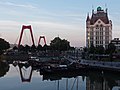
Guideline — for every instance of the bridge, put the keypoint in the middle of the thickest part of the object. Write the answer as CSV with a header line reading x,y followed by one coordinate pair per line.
x,y
29,27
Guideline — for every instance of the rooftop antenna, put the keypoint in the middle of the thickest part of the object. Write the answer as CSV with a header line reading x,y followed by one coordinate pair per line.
x,y
92,9
106,8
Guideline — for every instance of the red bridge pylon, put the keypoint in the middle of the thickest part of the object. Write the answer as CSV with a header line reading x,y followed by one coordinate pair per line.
x,y
21,34
42,37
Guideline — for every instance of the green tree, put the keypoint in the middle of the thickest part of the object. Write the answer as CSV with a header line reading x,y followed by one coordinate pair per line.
x,y
100,50
85,49
39,48
21,48
27,48
110,50
15,48
4,45
4,68
46,47
65,45
92,49
33,48
59,44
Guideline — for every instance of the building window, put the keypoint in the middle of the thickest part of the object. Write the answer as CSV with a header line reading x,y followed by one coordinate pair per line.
x,y
101,25
99,21
106,28
97,26
101,42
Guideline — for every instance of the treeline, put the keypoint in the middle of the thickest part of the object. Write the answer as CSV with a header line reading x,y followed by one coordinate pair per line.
x,y
100,50
4,45
57,44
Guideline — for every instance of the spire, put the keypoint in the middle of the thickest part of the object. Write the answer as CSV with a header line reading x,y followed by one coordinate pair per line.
x,y
88,19
106,10
92,9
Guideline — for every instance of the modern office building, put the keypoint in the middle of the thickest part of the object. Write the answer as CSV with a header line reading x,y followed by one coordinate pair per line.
x,y
98,28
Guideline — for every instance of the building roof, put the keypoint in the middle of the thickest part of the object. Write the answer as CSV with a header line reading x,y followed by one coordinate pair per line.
x,y
100,14
88,18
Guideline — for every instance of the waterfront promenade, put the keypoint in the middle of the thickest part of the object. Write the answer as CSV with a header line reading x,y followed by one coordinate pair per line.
x,y
102,64
96,64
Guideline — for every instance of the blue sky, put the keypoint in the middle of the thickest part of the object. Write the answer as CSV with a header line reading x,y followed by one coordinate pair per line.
x,y
51,18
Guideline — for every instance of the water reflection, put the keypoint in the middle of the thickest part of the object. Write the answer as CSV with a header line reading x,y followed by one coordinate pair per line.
x,y
93,80
4,68
24,68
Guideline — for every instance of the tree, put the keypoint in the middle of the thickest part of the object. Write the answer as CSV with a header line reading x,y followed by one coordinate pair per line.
x,y
4,68
46,47
39,47
33,48
55,43
111,49
4,45
26,48
100,50
15,48
92,49
65,45
21,48
59,44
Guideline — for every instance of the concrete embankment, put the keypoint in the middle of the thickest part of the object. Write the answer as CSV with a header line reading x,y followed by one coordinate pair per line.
x,y
113,66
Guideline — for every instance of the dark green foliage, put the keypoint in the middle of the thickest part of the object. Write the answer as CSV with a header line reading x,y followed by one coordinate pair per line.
x,y
56,44
59,44
85,49
3,45
92,49
39,47
46,47
21,48
100,50
33,48
4,68
15,48
26,48
111,48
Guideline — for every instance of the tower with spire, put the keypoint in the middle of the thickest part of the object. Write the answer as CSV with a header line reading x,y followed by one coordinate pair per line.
x,y
98,28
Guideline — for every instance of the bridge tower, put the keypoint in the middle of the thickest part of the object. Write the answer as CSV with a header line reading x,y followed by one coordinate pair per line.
x,y
42,37
21,34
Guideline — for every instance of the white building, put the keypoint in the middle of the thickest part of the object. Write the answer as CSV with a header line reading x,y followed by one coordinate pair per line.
x,y
116,42
98,28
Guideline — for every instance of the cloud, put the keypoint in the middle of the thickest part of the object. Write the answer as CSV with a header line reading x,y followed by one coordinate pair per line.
x,y
9,25
18,5
53,25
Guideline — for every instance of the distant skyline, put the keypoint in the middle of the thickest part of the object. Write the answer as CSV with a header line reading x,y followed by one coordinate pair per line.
x,y
51,18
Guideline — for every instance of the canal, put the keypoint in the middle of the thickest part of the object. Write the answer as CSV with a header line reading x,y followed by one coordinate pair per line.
x,y
13,77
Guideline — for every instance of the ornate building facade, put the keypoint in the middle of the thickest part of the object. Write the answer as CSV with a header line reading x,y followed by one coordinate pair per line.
x,y
98,28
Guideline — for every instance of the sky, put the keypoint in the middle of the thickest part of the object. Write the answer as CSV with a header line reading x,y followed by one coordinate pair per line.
x,y
53,18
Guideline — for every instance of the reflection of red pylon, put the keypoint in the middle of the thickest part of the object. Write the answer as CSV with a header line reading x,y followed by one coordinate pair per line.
x,y
23,28
41,38
22,77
